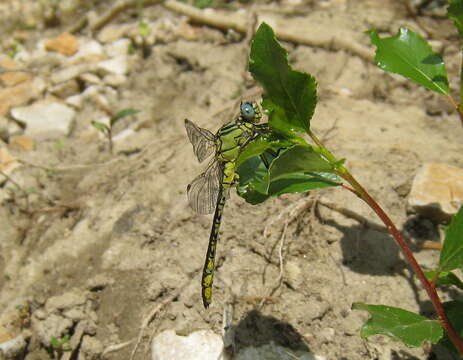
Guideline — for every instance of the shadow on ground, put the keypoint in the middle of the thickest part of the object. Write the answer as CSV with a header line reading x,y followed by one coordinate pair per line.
x,y
256,330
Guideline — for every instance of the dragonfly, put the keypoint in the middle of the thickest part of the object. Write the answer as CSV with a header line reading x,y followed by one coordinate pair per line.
x,y
208,192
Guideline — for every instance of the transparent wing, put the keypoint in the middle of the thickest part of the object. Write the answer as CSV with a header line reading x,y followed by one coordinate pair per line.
x,y
203,140
204,190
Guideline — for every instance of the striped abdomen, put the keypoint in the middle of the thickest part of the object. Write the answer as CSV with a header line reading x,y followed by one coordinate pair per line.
x,y
209,265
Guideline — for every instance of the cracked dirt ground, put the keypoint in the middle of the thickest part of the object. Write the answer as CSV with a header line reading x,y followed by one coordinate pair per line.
x,y
109,237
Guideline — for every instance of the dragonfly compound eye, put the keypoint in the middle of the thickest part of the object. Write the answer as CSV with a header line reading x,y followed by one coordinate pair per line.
x,y
247,111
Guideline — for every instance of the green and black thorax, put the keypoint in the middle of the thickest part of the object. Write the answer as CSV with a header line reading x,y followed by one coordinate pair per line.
x,y
231,138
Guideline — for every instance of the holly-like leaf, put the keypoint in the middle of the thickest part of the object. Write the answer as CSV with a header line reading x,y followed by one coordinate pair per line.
x,y
454,311
451,256
399,324
409,55
290,96
444,278
455,12
297,160
255,185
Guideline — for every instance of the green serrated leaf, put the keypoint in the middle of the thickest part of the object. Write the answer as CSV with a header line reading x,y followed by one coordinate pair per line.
x,y
121,114
255,186
444,278
300,183
265,142
409,55
451,256
454,312
296,160
253,149
290,96
399,324
100,126
455,12
253,180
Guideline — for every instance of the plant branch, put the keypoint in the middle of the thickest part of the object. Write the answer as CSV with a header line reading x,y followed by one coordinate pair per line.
x,y
430,288
236,22
458,107
399,239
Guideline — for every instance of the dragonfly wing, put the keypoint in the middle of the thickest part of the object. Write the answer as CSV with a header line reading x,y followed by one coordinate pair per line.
x,y
203,140
204,190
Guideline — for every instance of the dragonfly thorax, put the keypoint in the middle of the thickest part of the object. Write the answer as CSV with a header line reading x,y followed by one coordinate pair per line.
x,y
231,138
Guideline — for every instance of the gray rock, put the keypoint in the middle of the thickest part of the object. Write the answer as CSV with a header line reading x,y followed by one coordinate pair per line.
x,y
47,119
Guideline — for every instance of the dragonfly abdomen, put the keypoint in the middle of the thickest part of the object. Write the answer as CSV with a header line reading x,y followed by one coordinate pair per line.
x,y
209,265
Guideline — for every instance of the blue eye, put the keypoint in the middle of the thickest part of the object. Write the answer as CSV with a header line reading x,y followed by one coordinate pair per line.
x,y
247,111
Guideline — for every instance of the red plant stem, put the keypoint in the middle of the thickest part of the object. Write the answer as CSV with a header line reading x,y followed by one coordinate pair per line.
x,y
429,287
458,107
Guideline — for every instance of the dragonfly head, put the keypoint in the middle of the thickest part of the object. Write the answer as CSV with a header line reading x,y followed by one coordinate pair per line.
x,y
249,111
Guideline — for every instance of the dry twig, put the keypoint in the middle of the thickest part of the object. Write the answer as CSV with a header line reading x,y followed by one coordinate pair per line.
x,y
76,338
116,347
237,23
111,13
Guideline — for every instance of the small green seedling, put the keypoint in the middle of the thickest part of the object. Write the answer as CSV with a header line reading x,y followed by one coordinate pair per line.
x,y
290,99
58,346
14,50
106,129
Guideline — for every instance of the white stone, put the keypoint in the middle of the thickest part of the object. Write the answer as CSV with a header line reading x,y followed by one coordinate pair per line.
x,y
89,51
118,48
71,72
124,134
47,119
90,78
116,65
91,91
115,79
199,345
75,101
